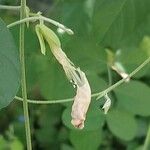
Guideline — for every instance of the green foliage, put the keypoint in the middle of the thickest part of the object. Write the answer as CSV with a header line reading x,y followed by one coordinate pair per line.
x,y
9,67
86,140
98,25
13,144
122,124
134,97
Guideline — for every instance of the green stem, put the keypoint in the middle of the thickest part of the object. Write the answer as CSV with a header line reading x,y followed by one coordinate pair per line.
x,y
99,94
9,7
23,76
45,102
147,140
32,19
109,76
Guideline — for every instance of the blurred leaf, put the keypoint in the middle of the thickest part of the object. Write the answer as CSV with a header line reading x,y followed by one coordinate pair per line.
x,y
134,97
131,58
72,19
122,124
13,144
85,140
132,145
145,45
106,14
16,145
142,127
139,147
66,147
52,80
121,20
48,122
32,49
3,143
9,67
86,54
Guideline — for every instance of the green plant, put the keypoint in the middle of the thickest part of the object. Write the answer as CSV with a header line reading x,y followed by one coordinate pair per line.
x,y
120,93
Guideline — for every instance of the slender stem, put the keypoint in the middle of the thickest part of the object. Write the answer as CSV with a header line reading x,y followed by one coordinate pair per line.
x,y
37,18
23,77
147,140
109,76
9,7
45,101
99,94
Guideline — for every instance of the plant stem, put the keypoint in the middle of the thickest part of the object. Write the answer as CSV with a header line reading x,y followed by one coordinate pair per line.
x,y
45,102
32,19
9,7
23,77
147,140
109,76
99,94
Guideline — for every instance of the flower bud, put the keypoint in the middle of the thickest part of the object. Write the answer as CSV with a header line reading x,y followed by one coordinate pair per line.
x,y
107,104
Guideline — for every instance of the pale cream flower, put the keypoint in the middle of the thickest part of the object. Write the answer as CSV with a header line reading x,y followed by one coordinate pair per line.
x,y
75,75
81,103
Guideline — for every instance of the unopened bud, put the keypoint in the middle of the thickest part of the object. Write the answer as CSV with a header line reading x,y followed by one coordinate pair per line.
x,y
107,104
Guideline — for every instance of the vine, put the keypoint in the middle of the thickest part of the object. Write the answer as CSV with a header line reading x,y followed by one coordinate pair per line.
x,y
23,76
38,17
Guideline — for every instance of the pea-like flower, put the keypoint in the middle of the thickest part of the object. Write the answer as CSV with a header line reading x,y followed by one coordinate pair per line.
x,y
75,75
81,103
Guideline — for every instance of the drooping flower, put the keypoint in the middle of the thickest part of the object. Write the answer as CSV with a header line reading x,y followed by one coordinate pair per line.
x,y
75,75
81,103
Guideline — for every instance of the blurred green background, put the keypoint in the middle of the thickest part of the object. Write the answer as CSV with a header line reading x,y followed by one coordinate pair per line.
x,y
97,24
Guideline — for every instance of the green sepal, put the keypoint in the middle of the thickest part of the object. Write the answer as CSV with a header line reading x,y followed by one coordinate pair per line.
x,y
110,57
49,36
41,39
145,45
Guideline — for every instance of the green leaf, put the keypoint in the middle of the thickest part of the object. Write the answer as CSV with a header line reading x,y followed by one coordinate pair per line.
x,y
66,147
134,97
86,140
3,142
16,144
52,80
13,144
86,54
9,67
122,124
139,147
119,22
132,57
47,121
105,15
72,19
95,119
145,45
